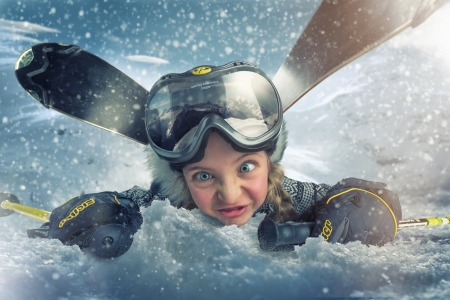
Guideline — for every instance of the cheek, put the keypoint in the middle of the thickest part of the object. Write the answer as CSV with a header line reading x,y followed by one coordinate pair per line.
x,y
202,197
258,189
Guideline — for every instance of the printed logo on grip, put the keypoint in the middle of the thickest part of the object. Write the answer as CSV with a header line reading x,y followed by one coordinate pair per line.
x,y
76,211
326,229
201,70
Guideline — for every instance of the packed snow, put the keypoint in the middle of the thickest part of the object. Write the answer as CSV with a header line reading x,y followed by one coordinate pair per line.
x,y
384,117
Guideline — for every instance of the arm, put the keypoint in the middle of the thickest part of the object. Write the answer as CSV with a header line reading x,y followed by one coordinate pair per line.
x,y
358,210
100,223
304,197
352,210
157,191
140,196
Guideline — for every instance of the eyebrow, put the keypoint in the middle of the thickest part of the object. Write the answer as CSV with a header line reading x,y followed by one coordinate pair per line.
x,y
244,155
190,168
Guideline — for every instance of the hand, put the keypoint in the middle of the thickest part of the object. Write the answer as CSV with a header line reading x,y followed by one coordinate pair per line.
x,y
102,223
358,210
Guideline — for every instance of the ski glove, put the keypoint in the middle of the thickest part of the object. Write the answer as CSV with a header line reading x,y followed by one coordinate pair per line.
x,y
102,223
358,210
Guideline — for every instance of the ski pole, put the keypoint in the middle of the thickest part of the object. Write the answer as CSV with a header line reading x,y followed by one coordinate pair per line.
x,y
424,222
10,203
272,235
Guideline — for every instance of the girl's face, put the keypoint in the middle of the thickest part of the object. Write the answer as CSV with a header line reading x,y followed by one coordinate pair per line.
x,y
227,184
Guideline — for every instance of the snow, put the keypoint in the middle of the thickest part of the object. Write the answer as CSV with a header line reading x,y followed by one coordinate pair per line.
x,y
182,255
384,117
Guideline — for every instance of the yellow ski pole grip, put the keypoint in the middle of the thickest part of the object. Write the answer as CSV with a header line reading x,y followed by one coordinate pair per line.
x,y
35,213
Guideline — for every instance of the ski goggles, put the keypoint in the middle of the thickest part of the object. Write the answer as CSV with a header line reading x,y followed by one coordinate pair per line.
x,y
237,100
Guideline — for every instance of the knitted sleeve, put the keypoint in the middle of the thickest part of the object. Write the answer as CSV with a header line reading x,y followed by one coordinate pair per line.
x,y
304,196
140,196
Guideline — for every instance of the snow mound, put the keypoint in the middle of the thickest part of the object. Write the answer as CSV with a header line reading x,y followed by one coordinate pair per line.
x,y
180,254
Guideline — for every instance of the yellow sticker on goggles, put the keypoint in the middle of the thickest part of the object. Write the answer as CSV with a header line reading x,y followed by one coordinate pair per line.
x,y
201,70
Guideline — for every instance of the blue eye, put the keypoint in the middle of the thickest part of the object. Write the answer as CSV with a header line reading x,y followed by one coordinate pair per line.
x,y
202,176
247,167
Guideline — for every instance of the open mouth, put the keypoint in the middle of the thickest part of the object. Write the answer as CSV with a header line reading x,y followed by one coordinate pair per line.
x,y
233,212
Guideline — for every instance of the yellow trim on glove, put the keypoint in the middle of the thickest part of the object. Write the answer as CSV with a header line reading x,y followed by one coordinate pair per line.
x,y
379,198
117,200
76,211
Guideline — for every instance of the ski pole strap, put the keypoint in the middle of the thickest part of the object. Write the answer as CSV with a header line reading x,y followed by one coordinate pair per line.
x,y
424,222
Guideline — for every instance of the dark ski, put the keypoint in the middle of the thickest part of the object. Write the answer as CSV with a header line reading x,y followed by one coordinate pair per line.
x,y
81,85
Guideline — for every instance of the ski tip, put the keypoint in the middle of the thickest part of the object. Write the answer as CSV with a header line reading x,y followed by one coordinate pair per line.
x,y
7,197
24,59
27,56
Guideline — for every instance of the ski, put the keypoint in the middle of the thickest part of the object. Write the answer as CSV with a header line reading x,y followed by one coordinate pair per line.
x,y
339,32
83,86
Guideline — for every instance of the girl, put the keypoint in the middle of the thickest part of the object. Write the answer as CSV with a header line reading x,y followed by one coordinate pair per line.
x,y
216,138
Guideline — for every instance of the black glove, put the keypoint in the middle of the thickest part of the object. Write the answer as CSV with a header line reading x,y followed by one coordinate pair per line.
x,y
102,223
358,210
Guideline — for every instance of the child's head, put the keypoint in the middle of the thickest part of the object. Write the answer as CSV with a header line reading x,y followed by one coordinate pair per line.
x,y
227,184
219,134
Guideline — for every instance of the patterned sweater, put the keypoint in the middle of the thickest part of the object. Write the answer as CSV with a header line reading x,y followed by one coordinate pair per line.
x,y
303,197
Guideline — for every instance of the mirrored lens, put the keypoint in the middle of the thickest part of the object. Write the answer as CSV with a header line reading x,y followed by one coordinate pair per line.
x,y
245,100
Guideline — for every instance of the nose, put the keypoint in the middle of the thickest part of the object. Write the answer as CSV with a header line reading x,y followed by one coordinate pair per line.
x,y
229,191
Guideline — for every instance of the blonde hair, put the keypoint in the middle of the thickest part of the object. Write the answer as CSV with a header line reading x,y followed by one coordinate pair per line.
x,y
283,211
276,196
